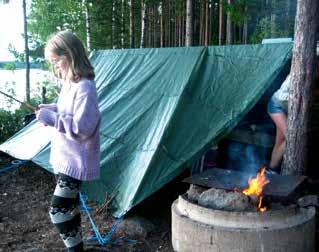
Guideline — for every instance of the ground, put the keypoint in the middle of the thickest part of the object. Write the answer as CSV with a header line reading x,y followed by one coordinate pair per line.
x,y
25,194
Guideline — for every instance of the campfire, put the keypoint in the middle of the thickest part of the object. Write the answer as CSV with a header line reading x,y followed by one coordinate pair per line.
x,y
256,186
221,211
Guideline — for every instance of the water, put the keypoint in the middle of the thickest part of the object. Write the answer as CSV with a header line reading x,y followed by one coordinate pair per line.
x,y
13,83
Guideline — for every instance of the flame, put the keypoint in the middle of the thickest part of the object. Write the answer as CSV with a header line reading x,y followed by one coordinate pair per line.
x,y
256,186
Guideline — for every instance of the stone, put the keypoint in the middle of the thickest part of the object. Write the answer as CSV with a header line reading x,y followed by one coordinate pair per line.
x,y
194,192
135,227
222,200
308,200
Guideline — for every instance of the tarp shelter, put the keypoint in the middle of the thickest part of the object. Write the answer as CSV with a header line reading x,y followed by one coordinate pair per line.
x,y
160,109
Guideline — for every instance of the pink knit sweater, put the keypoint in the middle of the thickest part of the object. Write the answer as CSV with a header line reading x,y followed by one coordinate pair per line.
x,y
75,145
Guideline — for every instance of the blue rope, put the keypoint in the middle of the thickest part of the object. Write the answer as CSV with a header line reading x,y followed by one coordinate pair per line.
x,y
14,164
101,240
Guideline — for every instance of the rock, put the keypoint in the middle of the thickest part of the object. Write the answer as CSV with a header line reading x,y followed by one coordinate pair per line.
x,y
135,227
194,192
308,200
223,200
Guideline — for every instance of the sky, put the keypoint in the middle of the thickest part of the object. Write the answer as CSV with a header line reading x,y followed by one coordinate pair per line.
x,y
11,28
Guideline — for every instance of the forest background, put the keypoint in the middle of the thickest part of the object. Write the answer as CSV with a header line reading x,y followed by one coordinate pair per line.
x,y
118,24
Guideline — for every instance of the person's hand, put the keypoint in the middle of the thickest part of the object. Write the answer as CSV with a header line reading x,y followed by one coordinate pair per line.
x,y
38,114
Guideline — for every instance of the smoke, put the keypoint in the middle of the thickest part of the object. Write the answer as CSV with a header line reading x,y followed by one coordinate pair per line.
x,y
247,158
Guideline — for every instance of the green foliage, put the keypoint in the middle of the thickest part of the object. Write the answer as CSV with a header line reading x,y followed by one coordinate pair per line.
x,y
18,56
109,20
47,17
10,66
266,28
237,10
10,88
11,122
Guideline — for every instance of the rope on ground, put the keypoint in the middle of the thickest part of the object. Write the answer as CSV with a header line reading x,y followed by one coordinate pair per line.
x,y
101,240
13,164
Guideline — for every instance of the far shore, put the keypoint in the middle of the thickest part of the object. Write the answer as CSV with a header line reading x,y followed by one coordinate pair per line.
x,y
20,65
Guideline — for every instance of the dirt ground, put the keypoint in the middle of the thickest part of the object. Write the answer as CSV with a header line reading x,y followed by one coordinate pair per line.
x,y
25,194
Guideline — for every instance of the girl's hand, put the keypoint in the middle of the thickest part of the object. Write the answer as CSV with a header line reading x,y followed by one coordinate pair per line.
x,y
45,116
37,113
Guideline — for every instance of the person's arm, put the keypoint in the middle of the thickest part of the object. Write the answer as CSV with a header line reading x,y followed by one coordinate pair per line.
x,y
82,123
50,106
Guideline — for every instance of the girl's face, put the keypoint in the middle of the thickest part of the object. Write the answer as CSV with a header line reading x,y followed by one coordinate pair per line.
x,y
60,65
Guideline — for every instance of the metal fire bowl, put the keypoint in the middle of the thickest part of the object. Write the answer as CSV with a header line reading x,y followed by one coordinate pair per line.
x,y
281,186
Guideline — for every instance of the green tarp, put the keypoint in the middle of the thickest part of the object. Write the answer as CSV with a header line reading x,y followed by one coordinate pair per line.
x,y
160,109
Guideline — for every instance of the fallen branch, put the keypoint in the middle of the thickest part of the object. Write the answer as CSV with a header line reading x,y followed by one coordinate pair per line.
x,y
106,205
26,104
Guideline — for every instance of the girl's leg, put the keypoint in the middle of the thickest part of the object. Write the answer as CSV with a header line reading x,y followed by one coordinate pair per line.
x,y
280,120
65,212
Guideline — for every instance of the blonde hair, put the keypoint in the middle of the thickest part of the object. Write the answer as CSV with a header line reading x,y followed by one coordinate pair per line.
x,y
66,43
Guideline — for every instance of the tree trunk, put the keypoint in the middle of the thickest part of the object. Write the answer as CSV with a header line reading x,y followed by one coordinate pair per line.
x,y
169,43
245,26
201,23
113,25
229,26
221,34
287,21
183,24
210,18
301,88
206,22
173,23
143,8
122,24
178,25
273,20
132,35
189,40
161,24
149,24
26,50
154,25
87,25
166,22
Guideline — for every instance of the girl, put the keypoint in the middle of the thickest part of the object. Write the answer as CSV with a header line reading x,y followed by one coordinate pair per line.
x,y
75,147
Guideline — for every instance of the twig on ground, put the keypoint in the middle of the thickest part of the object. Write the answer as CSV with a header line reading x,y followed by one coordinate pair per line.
x,y
106,205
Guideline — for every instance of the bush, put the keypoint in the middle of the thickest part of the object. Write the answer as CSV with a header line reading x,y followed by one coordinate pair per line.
x,y
11,122
10,66
266,28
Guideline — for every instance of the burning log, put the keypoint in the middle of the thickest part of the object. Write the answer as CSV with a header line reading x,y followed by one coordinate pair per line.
x,y
256,187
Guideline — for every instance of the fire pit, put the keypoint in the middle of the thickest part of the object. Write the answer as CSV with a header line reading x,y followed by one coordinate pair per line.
x,y
199,228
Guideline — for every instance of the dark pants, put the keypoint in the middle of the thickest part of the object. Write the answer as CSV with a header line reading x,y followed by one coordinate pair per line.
x,y
65,211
